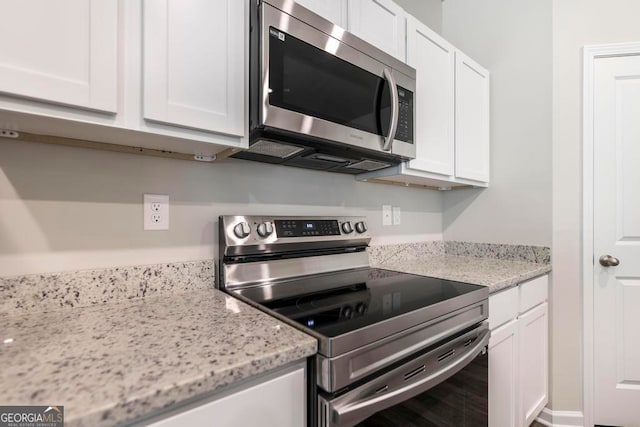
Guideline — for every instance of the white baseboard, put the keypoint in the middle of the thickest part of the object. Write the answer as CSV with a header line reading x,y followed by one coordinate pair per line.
x,y
560,418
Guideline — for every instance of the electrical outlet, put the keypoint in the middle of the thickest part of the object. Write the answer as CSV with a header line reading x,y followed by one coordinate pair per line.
x,y
386,215
396,215
156,211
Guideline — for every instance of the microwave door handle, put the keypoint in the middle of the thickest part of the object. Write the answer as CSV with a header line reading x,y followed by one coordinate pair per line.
x,y
393,123
349,413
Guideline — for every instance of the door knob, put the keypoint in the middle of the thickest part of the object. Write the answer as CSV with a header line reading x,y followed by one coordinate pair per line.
x,y
609,261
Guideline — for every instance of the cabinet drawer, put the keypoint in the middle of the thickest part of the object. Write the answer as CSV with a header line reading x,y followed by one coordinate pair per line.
x,y
532,293
503,307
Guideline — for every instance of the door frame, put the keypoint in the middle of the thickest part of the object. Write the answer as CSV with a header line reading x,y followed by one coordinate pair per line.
x,y
590,54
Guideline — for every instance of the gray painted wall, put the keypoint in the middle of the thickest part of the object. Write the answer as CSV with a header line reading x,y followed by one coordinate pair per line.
x,y
427,11
82,209
65,208
576,23
512,40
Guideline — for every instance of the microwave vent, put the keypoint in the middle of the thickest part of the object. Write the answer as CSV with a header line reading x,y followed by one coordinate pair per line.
x,y
368,165
274,149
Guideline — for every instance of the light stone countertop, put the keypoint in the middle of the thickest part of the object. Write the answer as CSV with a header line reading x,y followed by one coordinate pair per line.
x,y
497,274
112,363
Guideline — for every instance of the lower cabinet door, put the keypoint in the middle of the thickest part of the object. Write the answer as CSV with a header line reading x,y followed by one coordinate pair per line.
x,y
503,376
275,402
534,338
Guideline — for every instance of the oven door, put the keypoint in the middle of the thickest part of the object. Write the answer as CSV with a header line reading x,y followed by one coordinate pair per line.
x,y
313,84
445,386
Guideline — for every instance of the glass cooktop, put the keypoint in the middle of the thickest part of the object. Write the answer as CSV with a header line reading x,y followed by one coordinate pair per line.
x,y
368,297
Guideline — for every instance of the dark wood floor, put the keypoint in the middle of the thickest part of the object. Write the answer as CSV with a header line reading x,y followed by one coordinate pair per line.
x,y
536,424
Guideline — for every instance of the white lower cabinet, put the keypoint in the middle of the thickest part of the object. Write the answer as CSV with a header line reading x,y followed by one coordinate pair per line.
x,y
518,354
534,354
279,400
503,375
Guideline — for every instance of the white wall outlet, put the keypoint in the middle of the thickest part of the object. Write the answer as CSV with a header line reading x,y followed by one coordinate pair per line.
x,y
386,215
396,215
156,211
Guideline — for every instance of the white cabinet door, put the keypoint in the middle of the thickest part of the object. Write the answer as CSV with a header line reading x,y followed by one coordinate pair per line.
x,y
60,52
193,64
503,376
472,120
434,60
533,379
331,10
279,402
381,23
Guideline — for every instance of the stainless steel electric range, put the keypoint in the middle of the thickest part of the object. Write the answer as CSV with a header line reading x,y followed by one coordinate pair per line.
x,y
393,348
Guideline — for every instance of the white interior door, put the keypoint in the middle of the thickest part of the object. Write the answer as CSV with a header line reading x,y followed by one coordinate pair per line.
x,y
616,216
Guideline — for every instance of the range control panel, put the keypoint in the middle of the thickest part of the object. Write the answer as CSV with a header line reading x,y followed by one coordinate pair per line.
x,y
307,227
247,230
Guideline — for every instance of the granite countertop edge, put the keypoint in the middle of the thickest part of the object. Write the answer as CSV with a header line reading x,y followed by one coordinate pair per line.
x,y
126,391
497,274
516,280
140,409
132,403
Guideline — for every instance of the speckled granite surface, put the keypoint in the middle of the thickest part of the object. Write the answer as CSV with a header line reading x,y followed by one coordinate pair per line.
x,y
419,250
523,253
115,362
498,274
407,251
45,292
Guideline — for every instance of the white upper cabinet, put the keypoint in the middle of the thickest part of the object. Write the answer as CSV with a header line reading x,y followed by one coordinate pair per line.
x,y
61,52
381,23
472,120
434,60
452,116
331,10
193,64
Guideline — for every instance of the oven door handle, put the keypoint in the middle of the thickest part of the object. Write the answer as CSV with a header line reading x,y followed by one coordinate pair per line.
x,y
395,107
346,412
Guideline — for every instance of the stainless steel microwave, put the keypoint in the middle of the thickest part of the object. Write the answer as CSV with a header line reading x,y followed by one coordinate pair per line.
x,y
322,98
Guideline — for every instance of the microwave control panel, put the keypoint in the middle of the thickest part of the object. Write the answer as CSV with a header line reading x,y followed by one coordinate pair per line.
x,y
405,115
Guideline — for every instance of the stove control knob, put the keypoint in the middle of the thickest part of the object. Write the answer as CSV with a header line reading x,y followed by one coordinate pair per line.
x,y
265,229
346,227
242,230
347,312
361,227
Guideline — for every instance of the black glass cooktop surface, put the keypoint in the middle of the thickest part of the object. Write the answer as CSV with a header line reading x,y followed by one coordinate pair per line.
x,y
363,298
